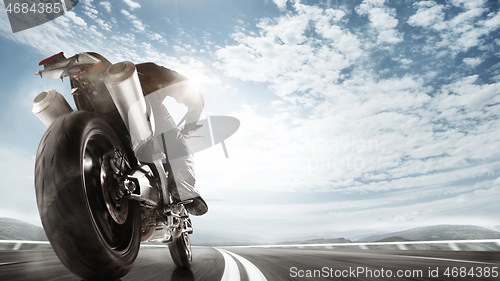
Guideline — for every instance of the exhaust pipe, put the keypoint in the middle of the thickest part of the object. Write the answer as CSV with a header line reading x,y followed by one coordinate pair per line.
x,y
50,105
125,89
124,86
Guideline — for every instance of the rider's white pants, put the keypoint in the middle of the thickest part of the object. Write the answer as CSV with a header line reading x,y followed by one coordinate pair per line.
x,y
173,144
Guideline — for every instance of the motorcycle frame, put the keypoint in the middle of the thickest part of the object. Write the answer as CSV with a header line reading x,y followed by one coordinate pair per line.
x,y
91,94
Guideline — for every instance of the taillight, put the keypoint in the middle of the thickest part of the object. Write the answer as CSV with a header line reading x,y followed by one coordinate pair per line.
x,y
49,58
96,66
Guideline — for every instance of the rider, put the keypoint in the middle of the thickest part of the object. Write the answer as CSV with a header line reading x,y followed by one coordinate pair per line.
x,y
157,83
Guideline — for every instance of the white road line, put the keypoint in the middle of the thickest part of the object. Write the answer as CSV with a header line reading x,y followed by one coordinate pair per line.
x,y
441,259
231,271
7,263
144,245
253,273
497,241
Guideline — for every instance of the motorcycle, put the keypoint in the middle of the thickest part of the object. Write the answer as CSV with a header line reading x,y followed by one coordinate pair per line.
x,y
97,197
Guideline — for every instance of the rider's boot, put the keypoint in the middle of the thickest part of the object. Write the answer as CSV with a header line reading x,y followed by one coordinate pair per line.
x,y
183,189
198,207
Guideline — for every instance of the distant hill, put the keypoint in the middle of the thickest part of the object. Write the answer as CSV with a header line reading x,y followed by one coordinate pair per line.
x,y
350,234
394,239
220,238
439,232
12,229
317,241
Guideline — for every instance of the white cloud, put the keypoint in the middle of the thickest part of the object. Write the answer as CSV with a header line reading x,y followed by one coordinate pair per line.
x,y
158,37
473,61
493,22
426,142
429,14
461,31
132,5
90,10
376,213
86,2
77,20
280,3
106,5
134,20
185,48
382,19
103,24
290,57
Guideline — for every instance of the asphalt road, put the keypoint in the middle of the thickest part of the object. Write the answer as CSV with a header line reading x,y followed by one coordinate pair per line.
x,y
256,264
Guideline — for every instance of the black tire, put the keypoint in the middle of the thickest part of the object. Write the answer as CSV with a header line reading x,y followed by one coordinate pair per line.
x,y
180,250
71,202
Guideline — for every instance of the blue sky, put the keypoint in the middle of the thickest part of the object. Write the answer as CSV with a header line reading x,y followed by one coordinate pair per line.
x,y
368,114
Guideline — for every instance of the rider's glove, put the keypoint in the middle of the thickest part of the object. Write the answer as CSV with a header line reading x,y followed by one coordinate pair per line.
x,y
189,128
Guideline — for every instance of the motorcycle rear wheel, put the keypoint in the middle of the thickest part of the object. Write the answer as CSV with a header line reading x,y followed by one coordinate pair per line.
x,y
74,203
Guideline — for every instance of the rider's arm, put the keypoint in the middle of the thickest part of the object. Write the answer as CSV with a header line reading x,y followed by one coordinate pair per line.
x,y
159,82
188,94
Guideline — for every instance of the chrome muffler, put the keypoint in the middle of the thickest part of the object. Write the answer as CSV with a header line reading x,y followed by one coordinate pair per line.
x,y
50,105
125,89
124,86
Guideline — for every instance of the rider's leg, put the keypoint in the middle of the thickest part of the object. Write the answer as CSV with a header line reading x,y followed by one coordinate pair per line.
x,y
180,159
